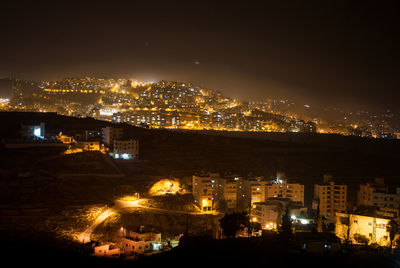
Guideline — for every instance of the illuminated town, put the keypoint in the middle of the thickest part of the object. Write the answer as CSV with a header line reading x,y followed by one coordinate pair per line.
x,y
199,133
180,105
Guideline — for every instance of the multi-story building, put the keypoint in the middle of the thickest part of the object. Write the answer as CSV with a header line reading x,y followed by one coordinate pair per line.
x,y
386,199
125,149
372,225
331,197
155,118
378,194
112,133
237,193
207,189
267,214
281,188
257,190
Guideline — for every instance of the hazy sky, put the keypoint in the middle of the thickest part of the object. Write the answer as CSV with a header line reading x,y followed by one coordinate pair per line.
x,y
332,54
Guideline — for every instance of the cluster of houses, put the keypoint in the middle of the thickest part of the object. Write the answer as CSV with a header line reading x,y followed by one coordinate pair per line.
x,y
268,200
109,139
134,243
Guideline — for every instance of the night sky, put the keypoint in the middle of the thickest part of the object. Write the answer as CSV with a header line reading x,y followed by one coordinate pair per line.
x,y
332,54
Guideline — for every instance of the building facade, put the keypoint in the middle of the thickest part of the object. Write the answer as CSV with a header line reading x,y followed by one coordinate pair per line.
x,y
107,250
258,190
237,193
331,197
267,214
372,227
125,149
207,189
132,246
378,194
281,188
109,134
89,145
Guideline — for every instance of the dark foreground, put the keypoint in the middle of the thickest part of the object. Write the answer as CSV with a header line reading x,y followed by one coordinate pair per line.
x,y
267,252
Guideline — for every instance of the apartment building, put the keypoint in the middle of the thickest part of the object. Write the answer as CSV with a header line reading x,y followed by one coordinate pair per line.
x,y
237,193
258,189
207,189
109,134
234,190
125,149
331,197
378,194
281,188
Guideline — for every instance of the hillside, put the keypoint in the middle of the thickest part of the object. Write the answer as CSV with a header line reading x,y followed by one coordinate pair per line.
x,y
42,190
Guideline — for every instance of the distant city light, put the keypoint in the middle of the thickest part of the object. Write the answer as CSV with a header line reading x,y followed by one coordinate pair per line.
x,y
181,105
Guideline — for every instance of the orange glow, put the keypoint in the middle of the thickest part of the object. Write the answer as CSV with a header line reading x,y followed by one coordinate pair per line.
x,y
73,151
64,138
165,186
270,226
115,88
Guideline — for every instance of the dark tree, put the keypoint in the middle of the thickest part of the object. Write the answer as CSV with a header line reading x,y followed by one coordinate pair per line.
x,y
393,228
233,222
362,239
242,205
285,231
255,227
286,224
221,205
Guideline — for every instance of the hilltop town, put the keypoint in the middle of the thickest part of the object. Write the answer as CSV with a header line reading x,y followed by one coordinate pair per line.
x,y
184,106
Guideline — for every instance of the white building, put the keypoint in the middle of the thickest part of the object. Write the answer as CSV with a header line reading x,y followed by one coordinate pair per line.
x,y
154,237
140,242
132,246
378,194
371,226
107,250
125,149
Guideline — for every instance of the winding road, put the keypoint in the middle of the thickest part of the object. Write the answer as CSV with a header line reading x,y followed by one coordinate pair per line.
x,y
85,236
